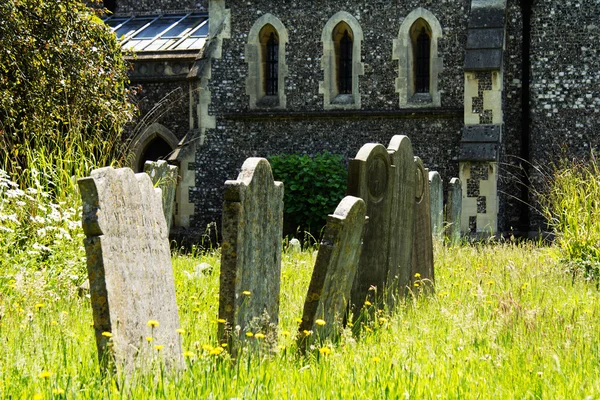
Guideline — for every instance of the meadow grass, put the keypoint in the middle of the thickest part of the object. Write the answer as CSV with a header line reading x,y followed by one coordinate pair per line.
x,y
506,322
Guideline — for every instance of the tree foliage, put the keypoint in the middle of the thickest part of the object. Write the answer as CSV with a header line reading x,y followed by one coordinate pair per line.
x,y
62,81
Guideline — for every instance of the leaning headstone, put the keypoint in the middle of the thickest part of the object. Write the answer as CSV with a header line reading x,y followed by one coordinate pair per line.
x,y
370,177
164,176
132,289
454,210
328,295
436,202
251,253
422,255
402,216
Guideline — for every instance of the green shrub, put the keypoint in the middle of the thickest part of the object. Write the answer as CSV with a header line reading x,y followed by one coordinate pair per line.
x,y
572,209
313,188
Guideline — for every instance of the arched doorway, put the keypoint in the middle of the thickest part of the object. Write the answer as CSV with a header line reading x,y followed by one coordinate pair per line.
x,y
155,143
157,149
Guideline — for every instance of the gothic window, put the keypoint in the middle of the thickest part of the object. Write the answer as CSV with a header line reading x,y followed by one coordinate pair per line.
x,y
267,69
421,43
341,62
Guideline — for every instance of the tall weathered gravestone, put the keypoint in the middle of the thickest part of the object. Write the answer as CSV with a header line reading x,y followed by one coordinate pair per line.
x,y
422,255
164,176
453,210
129,268
329,291
251,252
436,202
371,178
402,215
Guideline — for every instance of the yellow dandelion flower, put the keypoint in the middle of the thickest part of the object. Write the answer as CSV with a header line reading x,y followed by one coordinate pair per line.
x,y
193,298
53,323
107,334
39,305
38,396
216,351
188,354
45,374
468,282
180,331
525,285
417,275
490,283
249,334
207,347
153,323
368,303
307,333
149,339
298,320
350,324
320,322
159,347
416,284
223,345
197,310
285,333
221,321
58,391
246,293
325,351
375,359
259,336
382,320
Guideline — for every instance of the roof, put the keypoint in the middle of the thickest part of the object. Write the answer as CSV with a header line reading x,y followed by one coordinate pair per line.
x,y
158,33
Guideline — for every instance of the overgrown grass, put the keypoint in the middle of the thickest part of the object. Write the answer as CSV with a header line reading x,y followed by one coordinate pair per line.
x,y
572,209
506,322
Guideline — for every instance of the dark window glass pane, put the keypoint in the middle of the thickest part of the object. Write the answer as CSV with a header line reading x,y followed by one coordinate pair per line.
x,y
345,66
156,28
131,26
202,32
115,21
272,65
184,26
422,62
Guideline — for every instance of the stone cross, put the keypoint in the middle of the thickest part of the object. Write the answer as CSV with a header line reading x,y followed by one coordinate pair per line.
x,y
251,253
436,201
422,255
328,295
129,267
402,216
453,210
164,176
370,177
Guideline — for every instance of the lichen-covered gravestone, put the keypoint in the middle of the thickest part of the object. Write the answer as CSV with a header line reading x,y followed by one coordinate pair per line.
x,y
402,216
436,202
129,268
328,295
164,176
251,253
422,255
454,210
370,177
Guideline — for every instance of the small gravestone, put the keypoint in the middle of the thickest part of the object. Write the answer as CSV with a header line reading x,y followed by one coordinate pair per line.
x,y
329,291
251,253
129,269
402,216
164,176
422,254
436,202
371,178
454,210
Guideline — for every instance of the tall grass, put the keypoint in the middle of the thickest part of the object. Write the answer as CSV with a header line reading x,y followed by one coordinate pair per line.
x,y
572,209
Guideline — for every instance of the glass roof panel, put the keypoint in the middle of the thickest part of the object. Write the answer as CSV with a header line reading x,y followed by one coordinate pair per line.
x,y
156,27
201,32
131,27
183,27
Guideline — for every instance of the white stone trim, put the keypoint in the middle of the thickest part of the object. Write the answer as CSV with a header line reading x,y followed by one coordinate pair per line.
x,y
403,52
253,55
328,86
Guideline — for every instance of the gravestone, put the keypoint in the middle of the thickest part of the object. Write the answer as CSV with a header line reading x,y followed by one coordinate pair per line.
x,y
164,176
402,215
422,255
453,210
371,178
328,295
436,202
251,253
129,269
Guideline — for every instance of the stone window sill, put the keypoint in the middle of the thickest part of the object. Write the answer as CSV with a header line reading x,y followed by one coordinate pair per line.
x,y
268,102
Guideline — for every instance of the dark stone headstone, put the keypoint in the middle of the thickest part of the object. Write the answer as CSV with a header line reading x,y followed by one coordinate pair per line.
x,y
129,269
251,252
422,255
337,260
371,178
402,216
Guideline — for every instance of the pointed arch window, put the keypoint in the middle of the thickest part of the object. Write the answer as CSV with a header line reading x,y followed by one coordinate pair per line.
x,y
344,61
270,61
422,61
